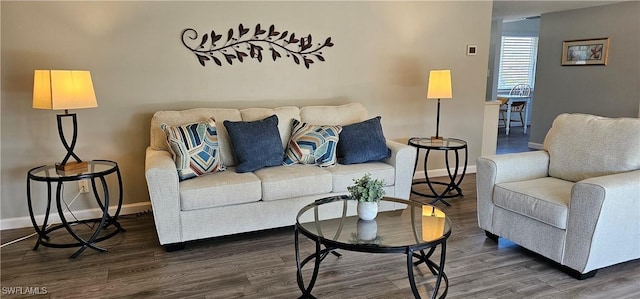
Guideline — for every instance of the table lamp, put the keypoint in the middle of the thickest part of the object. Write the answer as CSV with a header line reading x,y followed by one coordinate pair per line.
x,y
439,88
64,90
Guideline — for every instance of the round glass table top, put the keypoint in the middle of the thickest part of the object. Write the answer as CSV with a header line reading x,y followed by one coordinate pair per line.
x,y
335,220
446,143
50,173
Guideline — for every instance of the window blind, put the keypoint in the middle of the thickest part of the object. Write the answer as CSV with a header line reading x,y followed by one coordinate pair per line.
x,y
517,61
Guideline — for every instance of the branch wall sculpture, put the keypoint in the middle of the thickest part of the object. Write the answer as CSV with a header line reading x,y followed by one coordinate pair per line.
x,y
238,44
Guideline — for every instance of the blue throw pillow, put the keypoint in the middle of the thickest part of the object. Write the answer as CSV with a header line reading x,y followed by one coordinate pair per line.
x,y
256,144
362,142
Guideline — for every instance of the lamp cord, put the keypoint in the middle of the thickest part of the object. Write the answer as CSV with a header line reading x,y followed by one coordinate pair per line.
x,y
68,209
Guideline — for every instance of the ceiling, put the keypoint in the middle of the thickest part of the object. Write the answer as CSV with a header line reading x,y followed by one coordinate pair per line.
x,y
511,10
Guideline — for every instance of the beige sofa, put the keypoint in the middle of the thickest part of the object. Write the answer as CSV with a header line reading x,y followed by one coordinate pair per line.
x,y
577,202
228,202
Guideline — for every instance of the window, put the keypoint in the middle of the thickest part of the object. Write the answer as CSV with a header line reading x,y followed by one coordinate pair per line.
x,y
517,61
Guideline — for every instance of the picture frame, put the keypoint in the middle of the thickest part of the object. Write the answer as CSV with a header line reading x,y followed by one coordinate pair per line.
x,y
585,51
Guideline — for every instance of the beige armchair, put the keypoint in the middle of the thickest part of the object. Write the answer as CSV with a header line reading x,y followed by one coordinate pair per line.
x,y
577,202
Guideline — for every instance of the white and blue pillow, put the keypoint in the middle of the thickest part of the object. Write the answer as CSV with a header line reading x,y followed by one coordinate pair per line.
x,y
194,148
312,144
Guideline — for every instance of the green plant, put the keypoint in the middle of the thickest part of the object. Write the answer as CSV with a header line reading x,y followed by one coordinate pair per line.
x,y
366,189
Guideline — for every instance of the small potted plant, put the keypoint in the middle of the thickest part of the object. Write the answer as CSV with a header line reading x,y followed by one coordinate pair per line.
x,y
368,193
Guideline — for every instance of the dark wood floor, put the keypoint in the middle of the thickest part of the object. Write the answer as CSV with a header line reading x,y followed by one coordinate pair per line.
x,y
262,265
515,142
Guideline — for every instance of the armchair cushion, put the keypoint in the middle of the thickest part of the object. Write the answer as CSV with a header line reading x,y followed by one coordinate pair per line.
x,y
584,146
544,199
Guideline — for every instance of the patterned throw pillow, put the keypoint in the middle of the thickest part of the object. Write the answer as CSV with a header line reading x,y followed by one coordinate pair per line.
x,y
312,144
194,148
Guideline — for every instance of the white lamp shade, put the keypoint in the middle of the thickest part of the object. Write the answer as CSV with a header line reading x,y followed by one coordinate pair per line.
x,y
439,84
63,89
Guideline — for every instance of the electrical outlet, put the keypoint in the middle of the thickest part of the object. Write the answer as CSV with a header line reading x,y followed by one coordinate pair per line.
x,y
83,186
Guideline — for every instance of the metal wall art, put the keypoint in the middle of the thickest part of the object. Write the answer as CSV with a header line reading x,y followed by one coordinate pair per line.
x,y
211,47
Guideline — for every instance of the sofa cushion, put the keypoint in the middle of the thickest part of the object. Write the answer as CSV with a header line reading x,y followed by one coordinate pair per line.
x,y
256,144
222,189
582,146
312,144
194,148
362,142
343,175
333,115
545,199
293,181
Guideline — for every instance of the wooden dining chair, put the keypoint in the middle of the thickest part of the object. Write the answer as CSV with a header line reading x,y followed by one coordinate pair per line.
x,y
519,90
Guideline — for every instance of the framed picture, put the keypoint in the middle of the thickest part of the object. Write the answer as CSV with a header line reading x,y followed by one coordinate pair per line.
x,y
585,51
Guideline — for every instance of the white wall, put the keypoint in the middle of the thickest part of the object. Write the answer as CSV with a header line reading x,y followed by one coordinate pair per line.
x,y
382,54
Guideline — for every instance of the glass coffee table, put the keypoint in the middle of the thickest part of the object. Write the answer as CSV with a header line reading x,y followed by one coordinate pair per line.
x,y
415,231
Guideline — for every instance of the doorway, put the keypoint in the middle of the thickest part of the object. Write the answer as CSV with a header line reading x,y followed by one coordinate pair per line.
x,y
514,45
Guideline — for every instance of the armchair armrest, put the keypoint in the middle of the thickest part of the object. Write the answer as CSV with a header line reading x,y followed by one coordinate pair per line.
x,y
162,181
402,158
603,225
491,170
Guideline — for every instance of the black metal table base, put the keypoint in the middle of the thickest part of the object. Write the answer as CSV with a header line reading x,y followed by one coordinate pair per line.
x,y
103,222
452,187
422,258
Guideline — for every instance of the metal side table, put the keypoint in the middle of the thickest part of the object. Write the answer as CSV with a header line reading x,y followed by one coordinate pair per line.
x,y
97,171
455,178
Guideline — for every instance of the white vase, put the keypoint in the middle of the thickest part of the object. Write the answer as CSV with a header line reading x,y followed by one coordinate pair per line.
x,y
367,229
367,210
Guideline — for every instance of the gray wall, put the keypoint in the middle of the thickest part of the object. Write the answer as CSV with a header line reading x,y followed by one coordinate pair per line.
x,y
494,59
612,90
521,28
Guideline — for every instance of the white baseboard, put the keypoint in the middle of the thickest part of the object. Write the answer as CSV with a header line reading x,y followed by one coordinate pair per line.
x,y
419,174
534,145
20,222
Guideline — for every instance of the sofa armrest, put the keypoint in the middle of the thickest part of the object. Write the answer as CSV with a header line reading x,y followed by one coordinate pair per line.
x,y
603,225
403,159
162,181
491,170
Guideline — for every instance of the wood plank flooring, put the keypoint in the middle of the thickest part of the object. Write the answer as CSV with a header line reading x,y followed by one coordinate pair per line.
x,y
515,142
262,265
